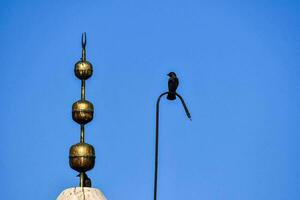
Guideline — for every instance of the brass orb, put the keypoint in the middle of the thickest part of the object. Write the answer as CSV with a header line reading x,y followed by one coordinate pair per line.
x,y
83,70
82,157
82,111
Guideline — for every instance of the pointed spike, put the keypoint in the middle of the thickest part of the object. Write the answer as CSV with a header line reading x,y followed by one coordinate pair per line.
x,y
83,40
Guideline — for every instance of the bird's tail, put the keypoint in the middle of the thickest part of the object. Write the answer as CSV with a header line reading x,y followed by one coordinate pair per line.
x,y
171,96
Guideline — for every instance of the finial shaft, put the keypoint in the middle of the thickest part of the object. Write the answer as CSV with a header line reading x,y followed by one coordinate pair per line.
x,y
83,90
83,45
81,179
82,133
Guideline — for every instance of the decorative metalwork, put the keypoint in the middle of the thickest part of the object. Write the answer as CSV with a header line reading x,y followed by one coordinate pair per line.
x,y
82,155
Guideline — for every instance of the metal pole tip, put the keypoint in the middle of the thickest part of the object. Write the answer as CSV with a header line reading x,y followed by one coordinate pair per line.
x,y
83,40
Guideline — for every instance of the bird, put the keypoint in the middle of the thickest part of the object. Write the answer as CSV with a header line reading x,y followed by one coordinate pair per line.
x,y
172,85
86,180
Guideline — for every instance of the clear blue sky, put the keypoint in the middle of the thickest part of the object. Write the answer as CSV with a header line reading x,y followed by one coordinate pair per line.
x,y
238,64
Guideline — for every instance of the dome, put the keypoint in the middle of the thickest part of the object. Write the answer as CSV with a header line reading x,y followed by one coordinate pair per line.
x,y
81,193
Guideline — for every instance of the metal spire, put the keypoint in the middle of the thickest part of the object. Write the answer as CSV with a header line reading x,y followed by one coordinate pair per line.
x,y
82,155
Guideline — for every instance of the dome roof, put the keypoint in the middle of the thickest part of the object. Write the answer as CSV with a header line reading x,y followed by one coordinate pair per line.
x,y
81,193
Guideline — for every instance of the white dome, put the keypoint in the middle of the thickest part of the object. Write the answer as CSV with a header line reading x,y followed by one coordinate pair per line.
x,y
81,193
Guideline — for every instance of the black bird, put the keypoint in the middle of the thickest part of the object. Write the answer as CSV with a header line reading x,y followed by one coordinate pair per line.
x,y
172,84
86,180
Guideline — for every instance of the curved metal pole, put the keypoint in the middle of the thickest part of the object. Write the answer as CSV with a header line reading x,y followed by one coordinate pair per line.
x,y
157,134
187,112
156,144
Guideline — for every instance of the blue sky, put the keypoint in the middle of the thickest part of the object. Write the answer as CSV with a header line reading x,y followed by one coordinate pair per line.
x,y
238,65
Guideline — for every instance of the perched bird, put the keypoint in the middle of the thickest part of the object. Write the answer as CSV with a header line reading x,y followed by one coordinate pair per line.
x,y
172,84
86,180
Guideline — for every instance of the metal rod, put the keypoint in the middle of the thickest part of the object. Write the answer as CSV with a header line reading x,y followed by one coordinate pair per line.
x,y
81,179
82,133
83,45
157,136
187,112
82,89
156,144
83,55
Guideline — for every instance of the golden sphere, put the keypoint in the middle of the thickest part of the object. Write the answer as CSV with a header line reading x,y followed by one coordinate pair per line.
x,y
83,70
82,111
82,157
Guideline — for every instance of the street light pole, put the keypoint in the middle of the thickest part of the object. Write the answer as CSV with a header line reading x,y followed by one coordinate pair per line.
x,y
157,135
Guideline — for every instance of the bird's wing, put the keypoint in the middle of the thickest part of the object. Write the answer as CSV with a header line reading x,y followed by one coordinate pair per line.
x,y
173,84
176,82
